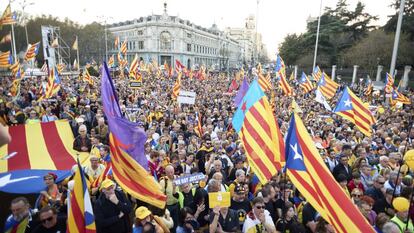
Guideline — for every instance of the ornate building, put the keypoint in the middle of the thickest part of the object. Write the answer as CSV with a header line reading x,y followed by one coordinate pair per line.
x,y
165,38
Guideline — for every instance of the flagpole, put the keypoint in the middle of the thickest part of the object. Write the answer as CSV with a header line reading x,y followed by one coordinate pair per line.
x,y
397,38
317,37
77,52
13,42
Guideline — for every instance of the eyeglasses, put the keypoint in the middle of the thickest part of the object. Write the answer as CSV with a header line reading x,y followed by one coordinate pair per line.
x,y
47,219
260,207
382,183
356,195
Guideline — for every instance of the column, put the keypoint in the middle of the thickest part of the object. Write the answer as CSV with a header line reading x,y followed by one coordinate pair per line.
x,y
295,74
407,70
354,74
379,70
333,72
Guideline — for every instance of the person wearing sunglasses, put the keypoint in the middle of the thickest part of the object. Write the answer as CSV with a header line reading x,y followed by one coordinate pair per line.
x,y
50,222
259,219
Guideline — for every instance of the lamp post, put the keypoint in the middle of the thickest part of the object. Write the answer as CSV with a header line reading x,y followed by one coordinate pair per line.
x,y
397,37
105,20
317,37
24,4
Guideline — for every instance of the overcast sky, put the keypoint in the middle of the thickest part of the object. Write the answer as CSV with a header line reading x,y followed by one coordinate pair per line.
x,y
276,18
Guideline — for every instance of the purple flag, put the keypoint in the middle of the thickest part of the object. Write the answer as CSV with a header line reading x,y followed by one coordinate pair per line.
x,y
131,137
242,91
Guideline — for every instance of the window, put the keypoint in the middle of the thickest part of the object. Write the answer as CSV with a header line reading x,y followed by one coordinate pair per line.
x,y
188,35
140,33
141,45
188,47
165,40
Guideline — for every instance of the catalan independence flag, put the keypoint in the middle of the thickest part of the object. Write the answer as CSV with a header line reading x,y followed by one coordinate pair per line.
x,y
126,138
53,83
264,82
199,128
312,178
176,87
305,83
259,133
287,90
13,226
80,212
133,67
317,74
8,17
87,78
353,109
15,67
124,47
6,59
32,51
389,83
111,61
327,86
280,68
398,97
370,87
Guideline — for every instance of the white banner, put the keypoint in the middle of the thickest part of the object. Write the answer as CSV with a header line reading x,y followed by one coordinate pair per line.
x,y
186,97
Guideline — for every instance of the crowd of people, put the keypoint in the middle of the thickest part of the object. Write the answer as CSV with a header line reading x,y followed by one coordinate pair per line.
x,y
369,169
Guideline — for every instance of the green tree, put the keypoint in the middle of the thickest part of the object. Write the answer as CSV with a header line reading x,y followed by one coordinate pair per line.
x,y
291,48
407,25
376,49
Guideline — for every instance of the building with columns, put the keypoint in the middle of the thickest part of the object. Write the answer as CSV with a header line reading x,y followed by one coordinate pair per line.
x,y
249,39
166,38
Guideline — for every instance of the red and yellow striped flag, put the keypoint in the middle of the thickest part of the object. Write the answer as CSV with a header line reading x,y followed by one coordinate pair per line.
x,y
259,133
54,141
312,178
124,47
61,67
80,213
15,67
327,86
111,61
389,83
32,51
199,128
6,59
53,83
317,74
177,86
353,109
87,78
285,86
305,83
264,82
133,67
8,17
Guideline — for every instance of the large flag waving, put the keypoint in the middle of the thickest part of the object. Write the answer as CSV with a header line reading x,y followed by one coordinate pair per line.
x,y
176,87
242,91
126,139
80,212
8,17
6,59
315,182
305,83
32,51
317,74
353,109
327,86
53,83
259,133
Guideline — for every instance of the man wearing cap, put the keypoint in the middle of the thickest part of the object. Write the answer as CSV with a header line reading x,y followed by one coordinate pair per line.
x,y
401,206
112,209
240,203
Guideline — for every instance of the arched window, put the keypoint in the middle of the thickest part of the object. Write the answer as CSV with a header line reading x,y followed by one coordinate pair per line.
x,y
165,40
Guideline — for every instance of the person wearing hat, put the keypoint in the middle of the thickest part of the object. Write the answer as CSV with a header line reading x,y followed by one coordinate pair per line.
x,y
401,206
145,218
112,209
240,203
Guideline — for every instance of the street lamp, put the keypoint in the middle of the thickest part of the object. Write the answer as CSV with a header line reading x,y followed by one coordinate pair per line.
x,y
105,19
24,4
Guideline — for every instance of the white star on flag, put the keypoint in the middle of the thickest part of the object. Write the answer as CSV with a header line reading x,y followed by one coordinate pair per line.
x,y
348,103
297,154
